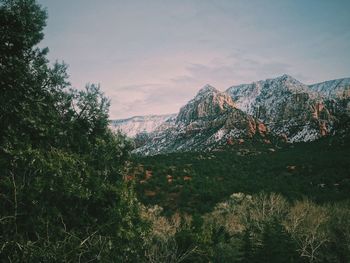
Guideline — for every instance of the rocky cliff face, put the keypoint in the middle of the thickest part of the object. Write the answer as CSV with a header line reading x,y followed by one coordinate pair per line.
x,y
333,89
288,107
258,112
207,122
208,102
336,94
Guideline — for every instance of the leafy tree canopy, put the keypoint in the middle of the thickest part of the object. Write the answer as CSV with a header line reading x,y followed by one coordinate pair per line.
x,y
62,193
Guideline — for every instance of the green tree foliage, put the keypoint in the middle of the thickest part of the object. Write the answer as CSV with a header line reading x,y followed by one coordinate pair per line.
x,y
339,226
277,245
26,101
252,228
62,196
317,170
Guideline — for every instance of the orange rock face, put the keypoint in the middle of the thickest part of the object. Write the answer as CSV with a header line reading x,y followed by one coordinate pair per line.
x,y
148,174
129,178
150,193
323,129
317,110
230,141
262,128
251,129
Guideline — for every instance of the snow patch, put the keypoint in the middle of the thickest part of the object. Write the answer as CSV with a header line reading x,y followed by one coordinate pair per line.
x,y
140,124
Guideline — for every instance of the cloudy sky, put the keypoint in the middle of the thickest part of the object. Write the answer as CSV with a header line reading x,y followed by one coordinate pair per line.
x,y
152,56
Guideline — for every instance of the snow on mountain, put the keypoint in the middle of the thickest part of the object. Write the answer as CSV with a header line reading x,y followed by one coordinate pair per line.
x,y
207,122
140,124
208,102
269,93
263,111
288,107
338,88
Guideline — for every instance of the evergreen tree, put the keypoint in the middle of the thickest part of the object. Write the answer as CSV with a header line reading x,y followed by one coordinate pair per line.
x,y
277,246
247,248
62,194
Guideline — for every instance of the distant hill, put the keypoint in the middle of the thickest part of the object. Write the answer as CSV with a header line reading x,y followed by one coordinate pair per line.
x,y
140,124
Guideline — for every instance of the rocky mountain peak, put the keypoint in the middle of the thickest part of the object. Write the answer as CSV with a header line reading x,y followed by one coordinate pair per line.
x,y
287,106
207,89
286,83
208,102
262,111
286,77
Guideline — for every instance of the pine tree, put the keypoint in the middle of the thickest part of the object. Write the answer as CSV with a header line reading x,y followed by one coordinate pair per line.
x,y
247,248
62,194
277,246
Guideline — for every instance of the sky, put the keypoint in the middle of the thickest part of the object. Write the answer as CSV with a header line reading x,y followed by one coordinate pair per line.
x,y
152,56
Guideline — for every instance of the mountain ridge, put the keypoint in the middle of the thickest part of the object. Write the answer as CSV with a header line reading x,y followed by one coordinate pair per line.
x,y
282,107
139,124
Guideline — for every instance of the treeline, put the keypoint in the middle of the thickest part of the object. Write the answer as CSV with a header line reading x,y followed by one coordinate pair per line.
x,y
194,182
258,228
62,197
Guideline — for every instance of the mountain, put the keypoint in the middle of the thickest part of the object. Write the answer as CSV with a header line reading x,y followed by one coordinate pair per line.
x,y
207,122
262,112
336,94
288,107
333,89
269,91
208,102
140,124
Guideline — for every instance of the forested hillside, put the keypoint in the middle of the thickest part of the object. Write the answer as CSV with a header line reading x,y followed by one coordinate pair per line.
x,y
288,204
195,182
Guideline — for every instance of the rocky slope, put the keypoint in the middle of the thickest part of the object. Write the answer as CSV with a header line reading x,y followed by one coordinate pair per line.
x,y
290,108
140,124
264,111
208,102
333,89
336,95
207,122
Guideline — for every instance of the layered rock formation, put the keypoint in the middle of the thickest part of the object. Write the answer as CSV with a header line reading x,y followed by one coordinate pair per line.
x,y
207,122
288,107
261,112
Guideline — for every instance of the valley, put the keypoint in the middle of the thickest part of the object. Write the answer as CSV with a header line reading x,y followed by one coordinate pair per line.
x,y
194,182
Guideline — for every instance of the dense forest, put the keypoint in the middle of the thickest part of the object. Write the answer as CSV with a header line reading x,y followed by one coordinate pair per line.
x,y
253,204
70,189
194,182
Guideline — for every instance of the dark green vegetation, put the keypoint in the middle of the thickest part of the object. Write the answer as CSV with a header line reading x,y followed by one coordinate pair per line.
x,y
195,182
62,197
254,228
307,221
